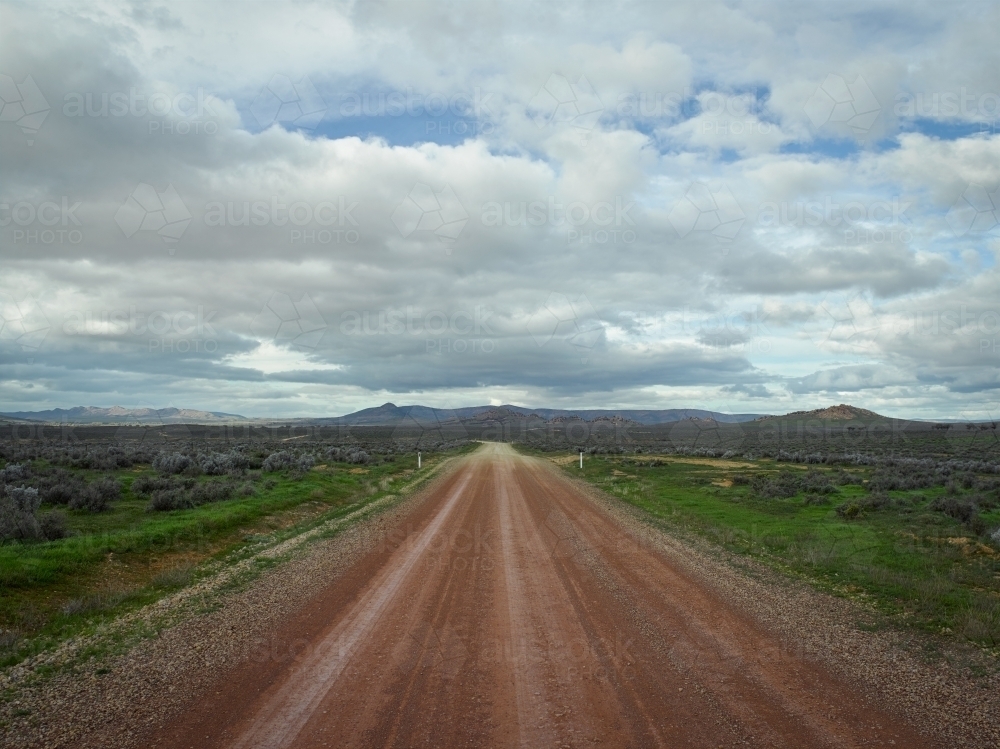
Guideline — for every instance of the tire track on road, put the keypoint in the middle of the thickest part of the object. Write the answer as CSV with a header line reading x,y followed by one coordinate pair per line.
x,y
286,711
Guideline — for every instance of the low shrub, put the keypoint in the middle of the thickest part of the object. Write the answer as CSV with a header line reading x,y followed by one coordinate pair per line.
x,y
18,513
877,501
98,496
788,484
189,495
856,508
843,478
53,525
14,472
849,510
782,486
218,464
172,462
211,491
169,499
62,494
278,461
348,455
817,483
150,484
961,509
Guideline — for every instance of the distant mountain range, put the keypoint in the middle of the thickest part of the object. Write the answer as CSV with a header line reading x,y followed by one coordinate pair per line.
x,y
119,415
389,414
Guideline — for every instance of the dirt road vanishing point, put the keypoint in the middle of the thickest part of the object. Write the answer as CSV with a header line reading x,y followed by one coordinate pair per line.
x,y
513,610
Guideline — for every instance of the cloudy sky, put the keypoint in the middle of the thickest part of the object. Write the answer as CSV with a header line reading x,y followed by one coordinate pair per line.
x,y
309,208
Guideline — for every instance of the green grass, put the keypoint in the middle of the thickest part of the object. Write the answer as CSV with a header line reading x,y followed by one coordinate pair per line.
x,y
127,557
914,564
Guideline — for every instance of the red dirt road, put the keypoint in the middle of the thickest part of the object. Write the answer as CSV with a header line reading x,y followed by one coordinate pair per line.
x,y
512,610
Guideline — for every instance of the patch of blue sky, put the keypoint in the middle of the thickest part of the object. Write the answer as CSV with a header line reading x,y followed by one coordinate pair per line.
x,y
408,130
838,148
399,118
949,129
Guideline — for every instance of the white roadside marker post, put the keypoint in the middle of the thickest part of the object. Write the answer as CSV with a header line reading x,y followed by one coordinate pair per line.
x,y
581,459
418,460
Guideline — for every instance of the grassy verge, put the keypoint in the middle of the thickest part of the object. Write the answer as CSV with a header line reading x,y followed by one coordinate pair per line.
x,y
127,557
910,560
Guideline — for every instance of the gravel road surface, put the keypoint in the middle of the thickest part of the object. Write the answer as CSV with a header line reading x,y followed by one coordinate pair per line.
x,y
511,609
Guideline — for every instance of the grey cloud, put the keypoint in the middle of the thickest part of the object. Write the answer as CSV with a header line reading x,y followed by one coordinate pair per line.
x,y
887,271
212,209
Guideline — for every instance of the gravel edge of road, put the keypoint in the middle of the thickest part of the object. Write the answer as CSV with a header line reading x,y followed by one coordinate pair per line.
x,y
946,703
207,628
